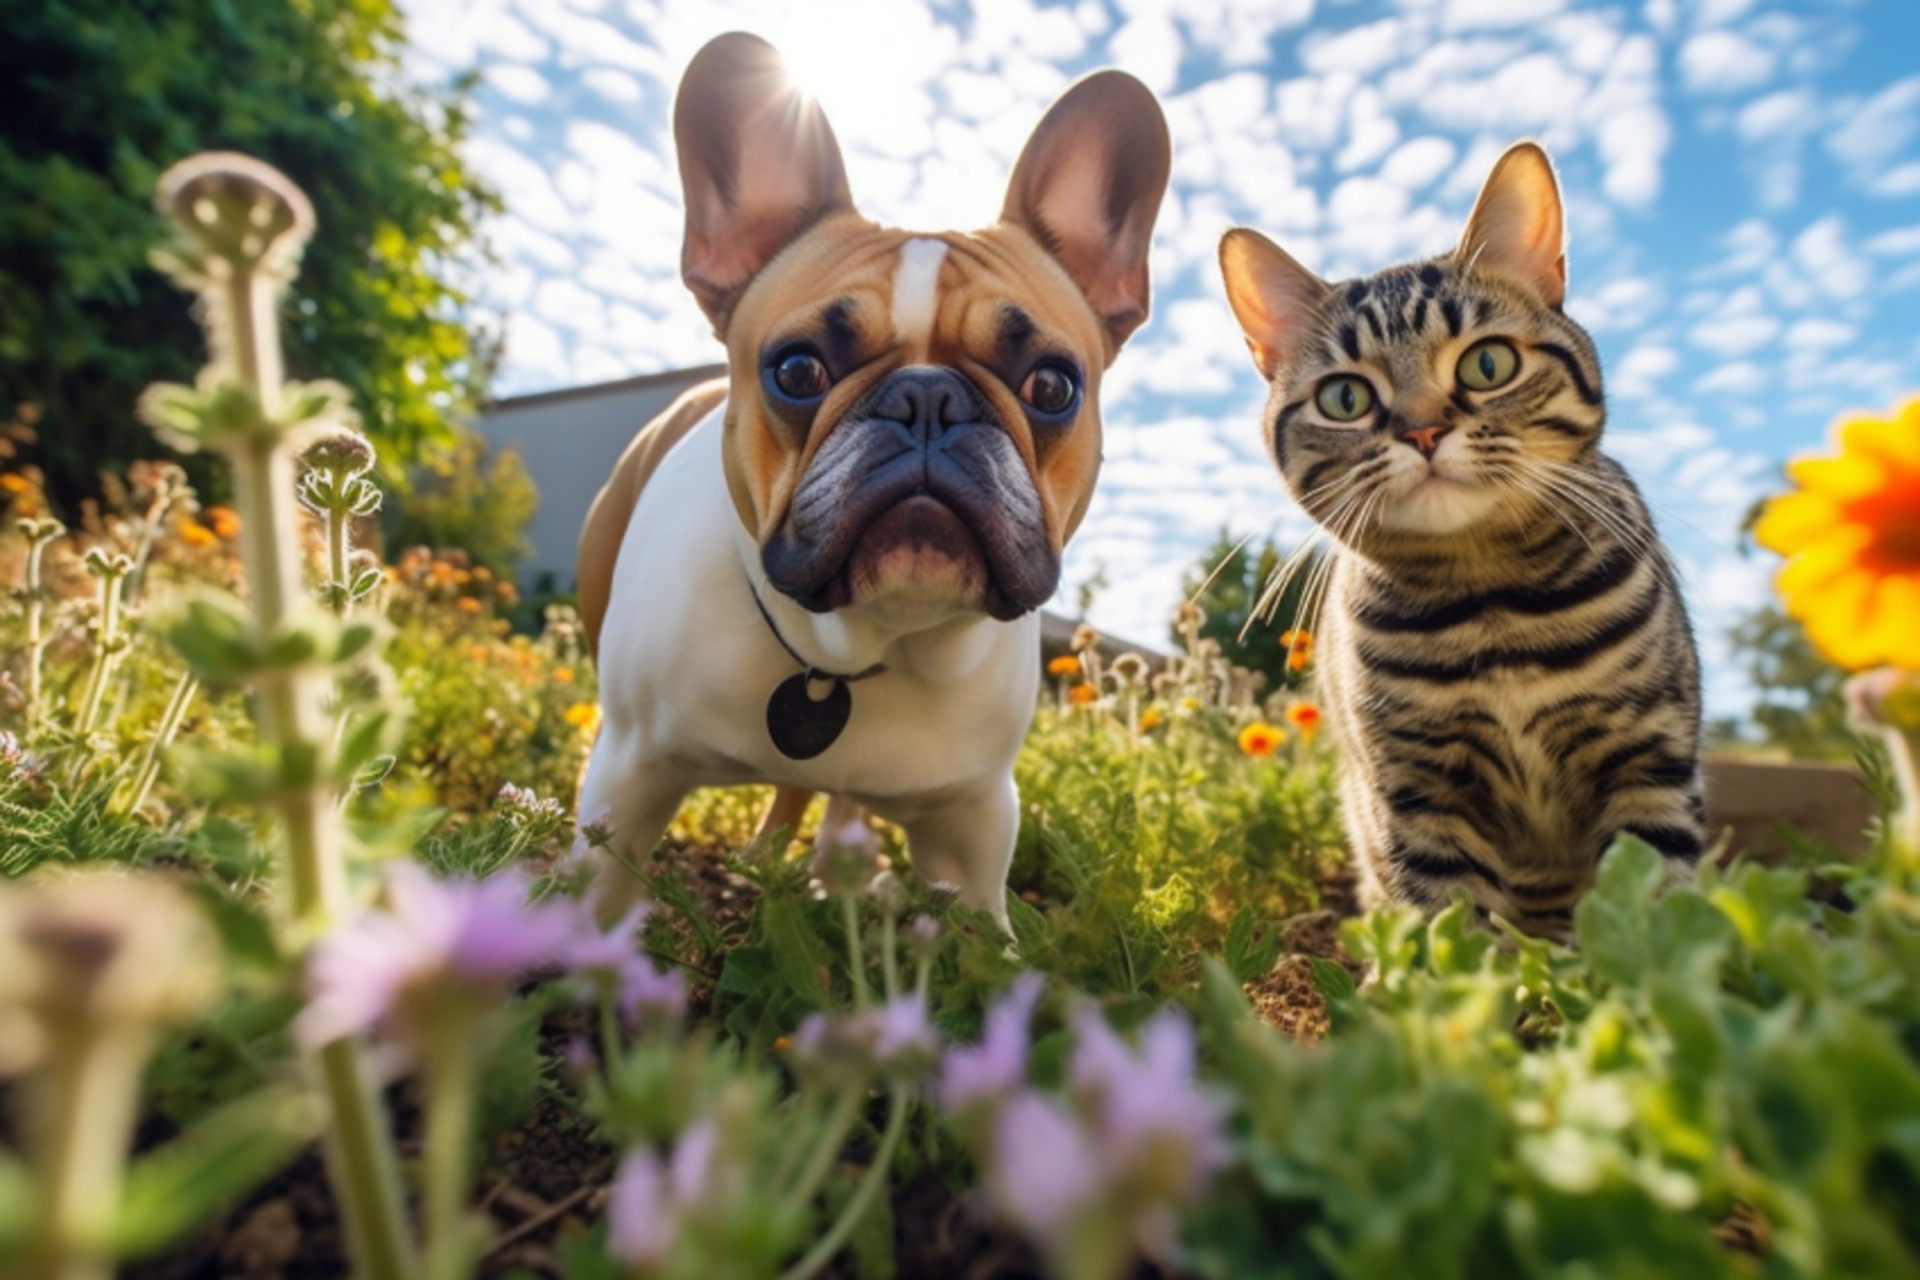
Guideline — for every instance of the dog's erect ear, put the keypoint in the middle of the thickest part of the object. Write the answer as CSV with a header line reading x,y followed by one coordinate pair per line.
x,y
1276,300
1088,187
1516,227
758,163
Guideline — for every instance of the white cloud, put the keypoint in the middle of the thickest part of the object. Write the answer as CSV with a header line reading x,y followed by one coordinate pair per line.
x,y
1475,15
521,83
1740,324
1817,334
1417,163
1830,264
1871,136
1739,378
612,84
1897,243
1724,62
1636,374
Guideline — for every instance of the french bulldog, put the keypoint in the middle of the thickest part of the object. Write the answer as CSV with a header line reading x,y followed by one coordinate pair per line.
x,y
825,570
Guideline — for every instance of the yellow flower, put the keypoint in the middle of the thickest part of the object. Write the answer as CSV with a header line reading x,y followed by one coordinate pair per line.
x,y
1152,718
584,716
1851,535
1083,695
1064,666
1305,717
1261,738
564,675
195,534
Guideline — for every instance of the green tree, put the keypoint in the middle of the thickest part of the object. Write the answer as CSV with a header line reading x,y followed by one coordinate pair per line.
x,y
1227,581
462,499
1802,706
102,95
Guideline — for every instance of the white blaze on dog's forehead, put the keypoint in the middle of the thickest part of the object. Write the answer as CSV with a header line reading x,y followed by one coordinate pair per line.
x,y
916,287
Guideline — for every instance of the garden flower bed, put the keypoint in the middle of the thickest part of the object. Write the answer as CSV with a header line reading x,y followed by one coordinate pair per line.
x,y
292,921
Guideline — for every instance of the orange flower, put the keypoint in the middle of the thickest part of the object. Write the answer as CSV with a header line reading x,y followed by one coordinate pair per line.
x,y
1261,738
1064,666
1305,717
1083,695
467,604
1152,718
15,483
1851,534
224,521
1296,638
195,534
584,716
506,592
1298,659
478,652
563,675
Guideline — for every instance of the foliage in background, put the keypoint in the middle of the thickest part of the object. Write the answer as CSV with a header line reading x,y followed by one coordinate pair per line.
x,y
104,94
1240,575
1801,708
462,497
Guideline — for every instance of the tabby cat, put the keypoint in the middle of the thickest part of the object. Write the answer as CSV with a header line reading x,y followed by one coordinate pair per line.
x,y
1504,653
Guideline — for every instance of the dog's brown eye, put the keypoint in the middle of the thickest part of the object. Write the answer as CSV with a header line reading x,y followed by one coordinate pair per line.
x,y
801,375
1050,391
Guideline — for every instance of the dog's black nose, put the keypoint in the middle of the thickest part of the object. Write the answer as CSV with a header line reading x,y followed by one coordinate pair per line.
x,y
927,400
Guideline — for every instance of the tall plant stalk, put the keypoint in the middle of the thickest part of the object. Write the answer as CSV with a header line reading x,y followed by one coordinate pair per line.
x,y
241,227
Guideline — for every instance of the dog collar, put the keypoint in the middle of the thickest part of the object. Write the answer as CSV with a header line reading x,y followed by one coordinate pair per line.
x,y
801,725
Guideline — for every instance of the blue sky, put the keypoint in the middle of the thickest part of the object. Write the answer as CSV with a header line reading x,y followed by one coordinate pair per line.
x,y
1742,176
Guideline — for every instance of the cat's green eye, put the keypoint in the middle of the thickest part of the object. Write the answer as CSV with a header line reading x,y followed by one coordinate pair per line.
x,y
1344,398
1487,365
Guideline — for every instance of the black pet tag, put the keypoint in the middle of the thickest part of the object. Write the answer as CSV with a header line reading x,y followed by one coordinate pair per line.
x,y
802,728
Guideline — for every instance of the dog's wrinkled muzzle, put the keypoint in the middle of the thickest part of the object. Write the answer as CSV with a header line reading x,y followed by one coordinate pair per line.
x,y
921,463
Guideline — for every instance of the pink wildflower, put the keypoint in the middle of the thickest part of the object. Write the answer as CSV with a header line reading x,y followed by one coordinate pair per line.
x,y
986,1072
433,939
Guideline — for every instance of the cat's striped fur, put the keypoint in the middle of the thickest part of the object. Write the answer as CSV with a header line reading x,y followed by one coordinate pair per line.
x,y
1503,650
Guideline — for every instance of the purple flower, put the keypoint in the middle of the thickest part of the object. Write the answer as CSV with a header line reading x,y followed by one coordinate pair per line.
x,y
433,939
904,1040
895,1038
648,995
1041,1171
988,1071
643,1225
1160,1138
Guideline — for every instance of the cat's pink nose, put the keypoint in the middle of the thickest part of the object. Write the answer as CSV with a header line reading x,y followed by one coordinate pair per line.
x,y
1425,438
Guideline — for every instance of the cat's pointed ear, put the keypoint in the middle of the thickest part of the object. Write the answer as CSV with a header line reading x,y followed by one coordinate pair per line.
x,y
758,162
1517,227
1276,300
1088,186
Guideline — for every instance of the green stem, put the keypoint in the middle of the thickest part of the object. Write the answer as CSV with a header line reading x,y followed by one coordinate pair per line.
x,y
35,638
360,1156
829,1244
1903,746
163,736
856,965
889,963
80,1117
362,1168
450,1084
846,1109
104,653
610,1046
337,522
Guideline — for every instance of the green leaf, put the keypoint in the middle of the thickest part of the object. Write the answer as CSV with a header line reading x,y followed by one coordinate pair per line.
x,y
802,961
1250,950
1612,920
171,1191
